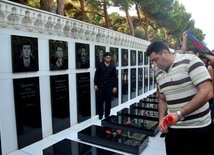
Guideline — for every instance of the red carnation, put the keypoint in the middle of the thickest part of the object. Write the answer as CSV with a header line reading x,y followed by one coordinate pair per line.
x,y
128,123
118,132
108,132
168,120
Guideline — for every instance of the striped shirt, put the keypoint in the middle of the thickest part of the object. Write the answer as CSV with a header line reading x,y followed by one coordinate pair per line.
x,y
179,85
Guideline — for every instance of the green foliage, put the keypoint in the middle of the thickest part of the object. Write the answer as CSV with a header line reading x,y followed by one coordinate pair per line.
x,y
118,23
139,33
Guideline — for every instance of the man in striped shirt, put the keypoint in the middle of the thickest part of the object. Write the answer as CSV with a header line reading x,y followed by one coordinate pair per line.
x,y
184,87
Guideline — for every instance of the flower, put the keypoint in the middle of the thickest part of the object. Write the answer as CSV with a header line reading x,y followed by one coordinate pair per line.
x,y
128,123
168,120
117,133
108,132
131,123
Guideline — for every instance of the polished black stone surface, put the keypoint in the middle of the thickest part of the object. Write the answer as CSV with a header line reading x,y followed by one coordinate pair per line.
x,y
144,113
145,106
140,81
154,96
133,83
139,125
83,96
127,141
149,100
27,109
125,86
60,102
69,147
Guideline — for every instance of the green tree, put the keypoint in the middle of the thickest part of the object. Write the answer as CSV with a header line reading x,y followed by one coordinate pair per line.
x,y
125,5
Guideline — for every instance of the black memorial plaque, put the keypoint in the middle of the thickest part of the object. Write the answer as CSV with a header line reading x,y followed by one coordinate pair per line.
x,y
149,100
140,81
82,56
114,55
139,125
114,99
154,96
124,58
128,141
69,147
83,96
140,58
58,53
24,54
133,83
143,112
124,78
60,102
99,51
146,79
145,106
27,109
146,58
133,57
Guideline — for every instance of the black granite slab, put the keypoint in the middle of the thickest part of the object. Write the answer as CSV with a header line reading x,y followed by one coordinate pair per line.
x,y
144,113
144,106
139,125
149,100
123,140
27,110
69,147
154,96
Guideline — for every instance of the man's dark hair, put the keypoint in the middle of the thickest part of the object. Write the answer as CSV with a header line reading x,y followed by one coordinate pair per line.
x,y
26,42
193,49
157,47
106,54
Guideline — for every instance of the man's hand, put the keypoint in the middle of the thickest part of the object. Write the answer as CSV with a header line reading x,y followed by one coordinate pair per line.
x,y
95,88
114,90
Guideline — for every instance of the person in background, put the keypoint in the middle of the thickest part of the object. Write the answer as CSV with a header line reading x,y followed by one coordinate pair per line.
x,y
206,58
182,44
26,61
210,69
184,87
105,83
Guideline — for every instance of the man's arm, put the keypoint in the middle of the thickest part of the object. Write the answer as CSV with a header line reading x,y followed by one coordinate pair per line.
x,y
204,94
162,111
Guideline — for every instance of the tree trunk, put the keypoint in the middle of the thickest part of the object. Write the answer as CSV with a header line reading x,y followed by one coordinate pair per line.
x,y
130,22
107,21
144,24
82,9
60,7
47,5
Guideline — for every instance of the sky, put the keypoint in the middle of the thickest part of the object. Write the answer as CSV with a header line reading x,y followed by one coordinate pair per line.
x,y
202,15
